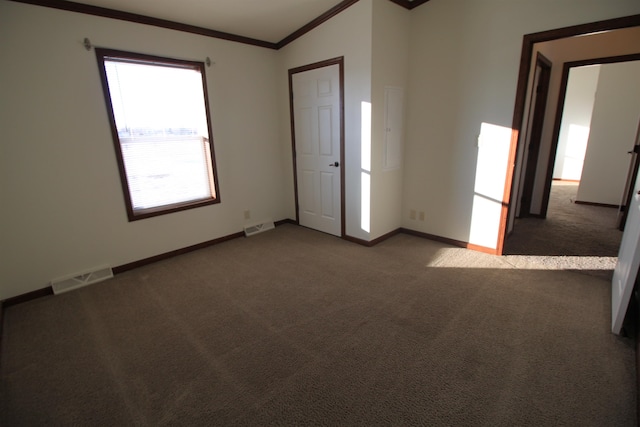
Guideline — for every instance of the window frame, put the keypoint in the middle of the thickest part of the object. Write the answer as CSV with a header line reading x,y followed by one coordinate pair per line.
x,y
103,54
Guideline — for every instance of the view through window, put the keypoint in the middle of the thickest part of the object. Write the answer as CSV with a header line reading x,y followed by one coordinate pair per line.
x,y
160,123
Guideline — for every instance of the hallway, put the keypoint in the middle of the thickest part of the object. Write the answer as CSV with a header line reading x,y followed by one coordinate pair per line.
x,y
573,236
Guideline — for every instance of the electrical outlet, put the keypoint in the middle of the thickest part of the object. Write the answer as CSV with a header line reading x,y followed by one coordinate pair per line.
x,y
421,216
412,214
247,214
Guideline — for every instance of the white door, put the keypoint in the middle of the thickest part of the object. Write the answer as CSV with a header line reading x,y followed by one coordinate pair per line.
x,y
317,124
624,275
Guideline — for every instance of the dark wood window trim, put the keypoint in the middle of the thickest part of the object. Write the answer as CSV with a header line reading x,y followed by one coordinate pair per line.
x,y
133,215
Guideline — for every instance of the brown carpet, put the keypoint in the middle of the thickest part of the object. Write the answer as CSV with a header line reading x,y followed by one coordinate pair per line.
x,y
576,237
294,327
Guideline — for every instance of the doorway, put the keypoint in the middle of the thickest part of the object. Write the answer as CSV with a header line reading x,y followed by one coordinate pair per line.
x,y
539,96
626,267
622,145
317,132
609,121
624,31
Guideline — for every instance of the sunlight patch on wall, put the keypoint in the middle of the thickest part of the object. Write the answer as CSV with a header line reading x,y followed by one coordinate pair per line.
x,y
365,208
575,152
365,164
365,140
491,172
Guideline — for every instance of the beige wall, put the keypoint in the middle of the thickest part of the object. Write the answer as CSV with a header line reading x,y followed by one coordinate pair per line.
x,y
62,204
614,125
372,35
348,34
578,106
463,73
390,68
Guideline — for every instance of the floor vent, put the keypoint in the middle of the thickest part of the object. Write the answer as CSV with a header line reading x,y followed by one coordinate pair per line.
x,y
250,230
69,283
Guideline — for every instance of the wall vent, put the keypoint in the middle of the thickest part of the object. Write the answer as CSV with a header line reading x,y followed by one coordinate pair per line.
x,y
250,230
79,280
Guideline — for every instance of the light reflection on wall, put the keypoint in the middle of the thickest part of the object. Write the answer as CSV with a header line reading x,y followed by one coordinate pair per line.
x,y
491,172
575,151
365,165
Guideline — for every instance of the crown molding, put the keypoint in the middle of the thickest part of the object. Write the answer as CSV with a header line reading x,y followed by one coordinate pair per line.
x,y
316,22
409,4
208,32
143,19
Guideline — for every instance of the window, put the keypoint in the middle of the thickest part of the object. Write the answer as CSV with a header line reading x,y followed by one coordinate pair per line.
x,y
159,116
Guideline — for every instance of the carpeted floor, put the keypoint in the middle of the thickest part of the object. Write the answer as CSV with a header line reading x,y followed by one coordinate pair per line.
x,y
294,327
576,237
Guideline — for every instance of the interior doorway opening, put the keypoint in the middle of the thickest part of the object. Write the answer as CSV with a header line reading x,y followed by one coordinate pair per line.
x,y
589,37
604,136
533,136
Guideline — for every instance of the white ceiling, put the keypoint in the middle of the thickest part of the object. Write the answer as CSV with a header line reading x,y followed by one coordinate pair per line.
x,y
266,20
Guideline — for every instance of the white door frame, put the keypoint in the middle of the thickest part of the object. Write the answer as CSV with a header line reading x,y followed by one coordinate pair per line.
x,y
330,62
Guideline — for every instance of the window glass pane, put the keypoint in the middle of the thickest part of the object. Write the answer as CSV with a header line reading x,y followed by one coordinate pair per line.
x,y
163,171
160,116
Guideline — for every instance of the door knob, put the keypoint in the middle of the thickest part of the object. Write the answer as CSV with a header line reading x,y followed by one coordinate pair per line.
x,y
334,164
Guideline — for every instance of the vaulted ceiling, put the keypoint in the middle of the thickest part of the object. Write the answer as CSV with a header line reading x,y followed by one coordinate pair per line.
x,y
270,23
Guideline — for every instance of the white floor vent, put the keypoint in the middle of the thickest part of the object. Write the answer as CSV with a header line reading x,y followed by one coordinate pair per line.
x,y
250,230
69,283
